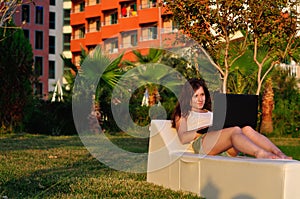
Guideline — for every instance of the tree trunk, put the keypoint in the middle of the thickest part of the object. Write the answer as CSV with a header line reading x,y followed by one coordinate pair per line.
x,y
153,96
95,114
267,108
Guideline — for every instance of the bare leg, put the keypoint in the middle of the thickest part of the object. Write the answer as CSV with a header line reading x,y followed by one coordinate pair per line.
x,y
218,141
263,142
232,152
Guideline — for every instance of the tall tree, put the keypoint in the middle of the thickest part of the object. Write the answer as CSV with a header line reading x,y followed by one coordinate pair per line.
x,y
274,27
267,106
267,27
213,25
153,56
8,9
94,66
16,73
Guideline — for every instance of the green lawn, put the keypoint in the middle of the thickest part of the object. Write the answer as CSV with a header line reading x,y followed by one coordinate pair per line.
x,y
37,166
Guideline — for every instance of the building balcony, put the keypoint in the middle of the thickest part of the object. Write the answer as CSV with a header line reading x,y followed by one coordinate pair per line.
x,y
129,23
77,44
148,15
93,38
109,31
77,18
93,10
150,43
111,4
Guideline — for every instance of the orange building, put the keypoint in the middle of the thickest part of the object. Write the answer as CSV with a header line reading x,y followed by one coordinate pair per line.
x,y
118,25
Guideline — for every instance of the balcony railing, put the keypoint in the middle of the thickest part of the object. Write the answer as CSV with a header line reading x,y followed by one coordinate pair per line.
x,y
148,37
148,5
169,30
128,44
112,50
78,9
94,29
131,14
92,2
110,22
80,35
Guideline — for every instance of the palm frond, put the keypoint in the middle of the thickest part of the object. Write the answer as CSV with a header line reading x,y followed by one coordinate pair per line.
x,y
68,63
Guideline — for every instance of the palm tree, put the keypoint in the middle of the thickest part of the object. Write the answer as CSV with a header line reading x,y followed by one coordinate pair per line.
x,y
267,108
154,56
70,75
97,69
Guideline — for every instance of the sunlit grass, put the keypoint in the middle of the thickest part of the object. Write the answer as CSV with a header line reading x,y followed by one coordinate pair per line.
x,y
290,146
37,166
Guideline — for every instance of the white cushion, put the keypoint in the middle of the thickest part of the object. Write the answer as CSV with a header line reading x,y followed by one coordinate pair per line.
x,y
175,166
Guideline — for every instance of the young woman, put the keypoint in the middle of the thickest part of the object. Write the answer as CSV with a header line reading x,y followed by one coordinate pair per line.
x,y
195,97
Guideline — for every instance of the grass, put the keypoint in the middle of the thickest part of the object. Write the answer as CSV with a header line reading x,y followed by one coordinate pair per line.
x,y
290,146
38,166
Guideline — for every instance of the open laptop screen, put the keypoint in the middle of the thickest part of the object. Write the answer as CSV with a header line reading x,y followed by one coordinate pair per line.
x,y
234,110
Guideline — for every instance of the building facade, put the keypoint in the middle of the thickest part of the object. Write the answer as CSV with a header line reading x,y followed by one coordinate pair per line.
x,y
42,24
118,25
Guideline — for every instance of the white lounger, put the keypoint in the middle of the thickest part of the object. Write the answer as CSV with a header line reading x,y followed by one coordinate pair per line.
x,y
175,166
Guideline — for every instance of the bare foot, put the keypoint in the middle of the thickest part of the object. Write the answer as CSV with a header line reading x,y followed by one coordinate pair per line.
x,y
262,154
283,156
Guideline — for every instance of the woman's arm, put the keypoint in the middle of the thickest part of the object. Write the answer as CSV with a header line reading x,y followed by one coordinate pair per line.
x,y
184,135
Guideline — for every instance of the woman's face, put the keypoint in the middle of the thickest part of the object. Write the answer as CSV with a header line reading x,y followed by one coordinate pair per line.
x,y
198,100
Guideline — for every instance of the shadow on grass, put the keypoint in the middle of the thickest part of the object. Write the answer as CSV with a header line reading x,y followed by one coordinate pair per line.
x,y
86,178
38,166
64,180
15,142
43,142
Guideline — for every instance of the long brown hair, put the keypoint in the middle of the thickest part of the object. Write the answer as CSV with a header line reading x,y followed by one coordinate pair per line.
x,y
183,105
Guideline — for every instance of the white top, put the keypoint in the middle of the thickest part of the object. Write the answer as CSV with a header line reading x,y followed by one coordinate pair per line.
x,y
197,120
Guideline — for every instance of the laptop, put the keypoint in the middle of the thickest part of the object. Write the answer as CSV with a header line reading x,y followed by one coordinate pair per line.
x,y
234,110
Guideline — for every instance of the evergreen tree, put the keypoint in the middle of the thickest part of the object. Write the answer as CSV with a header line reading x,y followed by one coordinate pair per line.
x,y
16,62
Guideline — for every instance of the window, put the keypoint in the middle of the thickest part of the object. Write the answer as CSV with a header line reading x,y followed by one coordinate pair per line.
x,y
67,13
26,33
93,2
169,25
52,2
38,89
111,17
52,44
91,48
81,6
38,66
39,40
52,20
26,13
94,24
77,58
67,41
39,15
79,32
149,33
114,18
148,3
111,45
129,39
51,69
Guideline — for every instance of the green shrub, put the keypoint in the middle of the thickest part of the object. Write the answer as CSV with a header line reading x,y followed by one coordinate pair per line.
x,y
286,113
51,119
